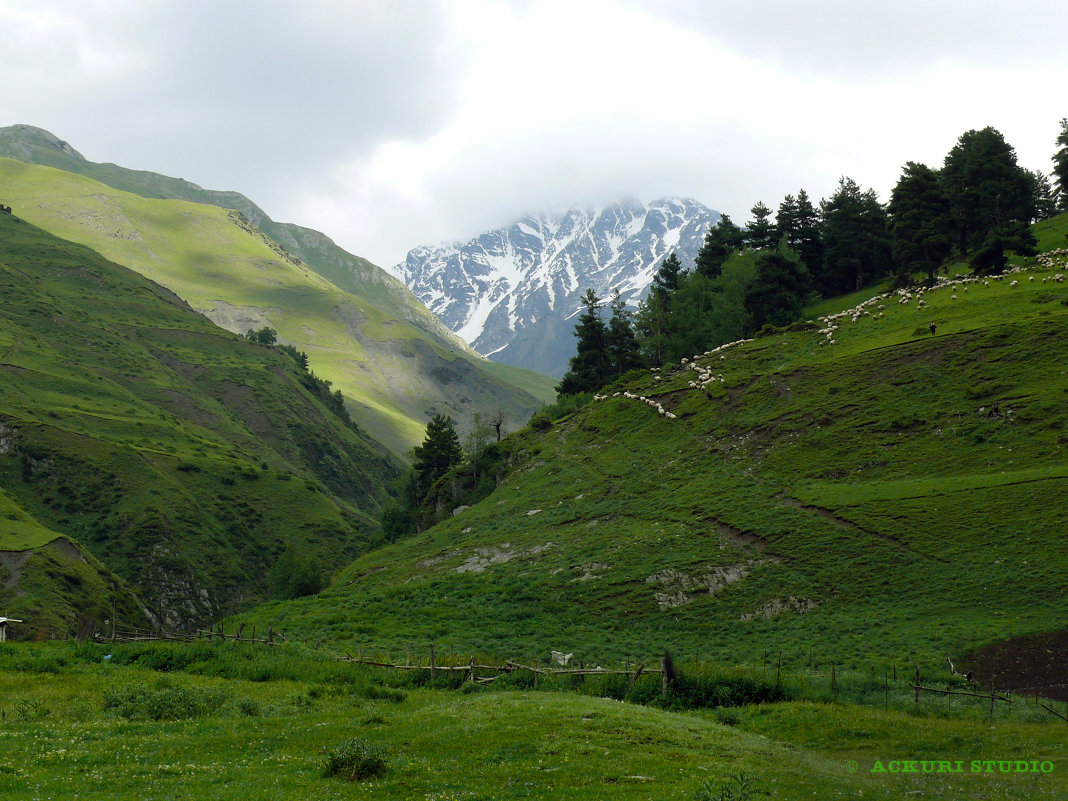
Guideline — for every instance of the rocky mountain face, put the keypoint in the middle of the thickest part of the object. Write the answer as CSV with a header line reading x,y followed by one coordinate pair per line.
x,y
512,292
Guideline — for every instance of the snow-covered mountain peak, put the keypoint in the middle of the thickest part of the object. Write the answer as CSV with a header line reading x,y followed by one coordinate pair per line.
x,y
510,292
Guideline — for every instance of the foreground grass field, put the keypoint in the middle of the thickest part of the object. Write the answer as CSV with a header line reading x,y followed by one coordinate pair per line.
x,y
102,722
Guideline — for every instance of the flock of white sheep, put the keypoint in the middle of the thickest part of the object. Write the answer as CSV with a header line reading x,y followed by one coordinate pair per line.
x,y
873,307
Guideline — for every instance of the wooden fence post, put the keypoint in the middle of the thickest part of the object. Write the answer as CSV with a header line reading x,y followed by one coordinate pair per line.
x,y
778,670
916,687
992,680
471,668
432,667
663,676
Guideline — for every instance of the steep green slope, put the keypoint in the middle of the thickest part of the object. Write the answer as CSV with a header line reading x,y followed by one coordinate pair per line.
x,y
184,457
48,581
893,495
374,288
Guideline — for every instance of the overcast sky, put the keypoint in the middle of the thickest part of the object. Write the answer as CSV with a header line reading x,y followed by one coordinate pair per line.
x,y
396,123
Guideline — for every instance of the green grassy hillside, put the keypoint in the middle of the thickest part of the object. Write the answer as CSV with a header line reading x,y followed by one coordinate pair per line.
x,y
182,456
395,386
871,492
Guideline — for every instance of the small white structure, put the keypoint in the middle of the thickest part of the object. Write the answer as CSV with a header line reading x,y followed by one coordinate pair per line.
x,y
559,658
3,626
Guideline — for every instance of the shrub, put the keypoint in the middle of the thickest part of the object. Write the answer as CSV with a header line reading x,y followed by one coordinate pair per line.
x,y
162,702
356,759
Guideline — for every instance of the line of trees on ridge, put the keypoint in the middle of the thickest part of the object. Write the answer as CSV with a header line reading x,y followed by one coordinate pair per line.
x,y
977,208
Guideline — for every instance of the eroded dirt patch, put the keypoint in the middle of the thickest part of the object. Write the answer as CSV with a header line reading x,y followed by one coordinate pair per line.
x,y
1029,664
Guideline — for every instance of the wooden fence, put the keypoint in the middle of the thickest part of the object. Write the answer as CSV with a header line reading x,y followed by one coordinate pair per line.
x,y
133,634
509,666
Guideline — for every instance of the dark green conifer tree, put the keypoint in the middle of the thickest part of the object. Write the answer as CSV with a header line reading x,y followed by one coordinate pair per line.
x,y
590,367
987,188
786,221
856,245
440,451
722,239
622,343
760,231
1060,166
921,222
809,240
781,289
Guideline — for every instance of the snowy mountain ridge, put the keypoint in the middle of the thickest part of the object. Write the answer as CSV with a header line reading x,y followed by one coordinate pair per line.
x,y
511,292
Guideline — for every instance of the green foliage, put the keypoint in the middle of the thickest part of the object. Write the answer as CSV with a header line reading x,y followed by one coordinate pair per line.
x,y
294,576
722,240
737,787
760,231
262,336
590,367
781,288
856,246
163,701
355,759
439,452
988,189
1060,166
921,223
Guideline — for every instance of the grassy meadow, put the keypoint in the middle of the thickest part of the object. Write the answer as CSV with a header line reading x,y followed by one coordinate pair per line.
x,y
236,721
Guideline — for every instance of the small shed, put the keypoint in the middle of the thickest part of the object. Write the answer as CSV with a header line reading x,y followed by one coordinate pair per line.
x,y
3,626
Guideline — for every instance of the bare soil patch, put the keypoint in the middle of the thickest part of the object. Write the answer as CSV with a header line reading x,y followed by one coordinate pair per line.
x,y
1029,664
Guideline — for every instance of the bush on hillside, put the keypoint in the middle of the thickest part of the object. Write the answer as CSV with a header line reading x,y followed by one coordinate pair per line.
x,y
355,759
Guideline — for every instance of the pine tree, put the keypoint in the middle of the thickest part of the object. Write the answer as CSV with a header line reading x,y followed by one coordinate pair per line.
x,y
590,367
786,221
760,231
1043,195
856,245
921,222
666,280
781,288
722,239
988,189
1060,166
809,240
622,343
440,451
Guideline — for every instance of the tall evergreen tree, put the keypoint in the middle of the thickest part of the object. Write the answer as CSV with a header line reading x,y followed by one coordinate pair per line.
x,y
621,341
856,245
722,239
988,189
921,222
666,280
760,231
1043,195
1060,166
781,288
440,451
809,239
990,256
590,367
786,221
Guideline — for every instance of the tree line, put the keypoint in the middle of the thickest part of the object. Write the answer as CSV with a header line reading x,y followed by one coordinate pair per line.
x,y
977,208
